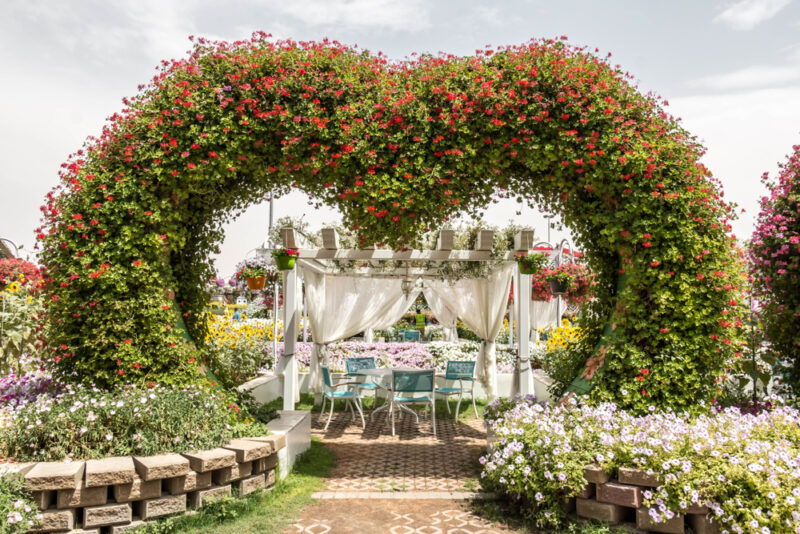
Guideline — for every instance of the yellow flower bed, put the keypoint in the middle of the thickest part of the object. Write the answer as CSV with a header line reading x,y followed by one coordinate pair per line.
x,y
563,336
226,330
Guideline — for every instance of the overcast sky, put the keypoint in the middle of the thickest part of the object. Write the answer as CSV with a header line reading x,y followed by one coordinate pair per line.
x,y
730,69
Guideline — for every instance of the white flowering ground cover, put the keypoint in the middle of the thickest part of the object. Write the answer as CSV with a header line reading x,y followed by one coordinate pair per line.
x,y
744,468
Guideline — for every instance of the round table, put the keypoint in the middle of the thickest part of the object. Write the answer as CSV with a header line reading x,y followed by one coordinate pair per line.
x,y
383,375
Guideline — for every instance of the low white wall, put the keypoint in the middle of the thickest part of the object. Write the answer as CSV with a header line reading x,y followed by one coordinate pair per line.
x,y
269,388
296,426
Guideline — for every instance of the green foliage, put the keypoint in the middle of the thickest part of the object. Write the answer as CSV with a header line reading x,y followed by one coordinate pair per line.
x,y
533,262
21,326
400,148
90,423
17,510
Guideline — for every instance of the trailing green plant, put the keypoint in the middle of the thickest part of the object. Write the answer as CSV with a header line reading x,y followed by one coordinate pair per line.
x,y
22,326
284,253
564,278
17,510
533,262
400,148
92,423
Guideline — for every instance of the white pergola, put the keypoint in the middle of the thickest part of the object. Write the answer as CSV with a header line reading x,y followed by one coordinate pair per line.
x,y
320,260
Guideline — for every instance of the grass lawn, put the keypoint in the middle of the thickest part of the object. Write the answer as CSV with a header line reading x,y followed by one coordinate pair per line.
x,y
265,511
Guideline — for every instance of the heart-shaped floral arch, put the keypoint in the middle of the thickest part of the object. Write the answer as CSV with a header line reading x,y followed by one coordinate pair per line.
x,y
399,148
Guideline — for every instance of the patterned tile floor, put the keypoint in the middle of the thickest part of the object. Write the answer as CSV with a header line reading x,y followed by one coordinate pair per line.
x,y
371,459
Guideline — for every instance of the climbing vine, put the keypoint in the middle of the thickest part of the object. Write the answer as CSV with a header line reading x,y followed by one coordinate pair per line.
x,y
399,148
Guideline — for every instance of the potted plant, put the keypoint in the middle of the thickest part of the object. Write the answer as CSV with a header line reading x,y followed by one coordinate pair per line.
x,y
530,263
285,258
560,281
256,277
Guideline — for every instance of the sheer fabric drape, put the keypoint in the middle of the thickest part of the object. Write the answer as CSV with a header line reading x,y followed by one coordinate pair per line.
x,y
446,316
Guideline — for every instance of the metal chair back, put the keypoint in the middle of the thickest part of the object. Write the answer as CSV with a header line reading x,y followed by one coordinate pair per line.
x,y
412,381
326,377
459,369
356,364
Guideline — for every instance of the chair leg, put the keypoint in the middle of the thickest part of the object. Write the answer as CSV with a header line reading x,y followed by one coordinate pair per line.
x,y
458,404
391,415
322,411
361,413
330,416
472,394
447,403
433,417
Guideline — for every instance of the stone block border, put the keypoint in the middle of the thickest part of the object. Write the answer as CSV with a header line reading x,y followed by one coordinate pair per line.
x,y
121,493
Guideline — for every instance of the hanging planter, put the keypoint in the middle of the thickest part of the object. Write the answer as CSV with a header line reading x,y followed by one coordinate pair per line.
x,y
256,283
560,282
285,258
530,263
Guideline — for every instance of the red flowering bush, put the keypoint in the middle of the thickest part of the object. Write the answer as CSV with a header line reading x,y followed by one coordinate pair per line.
x,y
580,291
775,264
399,147
12,268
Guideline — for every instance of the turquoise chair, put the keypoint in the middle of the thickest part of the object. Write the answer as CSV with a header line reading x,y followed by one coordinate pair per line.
x,y
352,397
404,385
463,372
411,335
356,364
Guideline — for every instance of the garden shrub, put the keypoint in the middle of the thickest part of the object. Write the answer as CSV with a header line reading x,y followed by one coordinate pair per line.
x,y
22,325
775,264
400,147
742,467
561,358
17,511
19,270
236,350
85,422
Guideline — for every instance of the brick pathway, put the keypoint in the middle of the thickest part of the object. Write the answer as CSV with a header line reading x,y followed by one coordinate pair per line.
x,y
371,459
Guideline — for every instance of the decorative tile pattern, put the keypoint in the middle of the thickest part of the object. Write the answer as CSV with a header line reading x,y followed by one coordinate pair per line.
x,y
371,459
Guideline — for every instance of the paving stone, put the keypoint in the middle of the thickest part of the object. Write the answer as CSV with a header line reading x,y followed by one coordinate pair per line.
x,y
197,499
44,499
109,471
163,506
109,514
227,475
637,477
595,474
702,524
137,490
161,466
190,482
54,476
278,441
117,529
671,526
262,464
247,451
601,511
80,497
202,461
55,521
250,484
621,494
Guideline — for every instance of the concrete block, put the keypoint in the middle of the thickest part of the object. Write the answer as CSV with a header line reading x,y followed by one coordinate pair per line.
x,y
250,484
54,476
621,494
80,497
44,499
117,529
163,506
190,482
702,524
263,464
247,451
137,490
594,474
568,504
202,461
606,512
229,474
55,521
277,441
637,477
671,526
109,471
109,514
197,499
587,492
161,466
84,531
270,478
697,509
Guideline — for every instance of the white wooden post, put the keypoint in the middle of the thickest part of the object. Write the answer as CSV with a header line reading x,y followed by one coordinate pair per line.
x,y
525,375
289,338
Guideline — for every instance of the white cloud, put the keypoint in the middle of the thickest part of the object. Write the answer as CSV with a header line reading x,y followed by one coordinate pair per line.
x,y
400,16
751,77
747,14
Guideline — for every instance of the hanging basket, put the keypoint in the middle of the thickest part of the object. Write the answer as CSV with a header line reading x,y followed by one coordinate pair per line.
x,y
256,283
525,269
558,288
285,263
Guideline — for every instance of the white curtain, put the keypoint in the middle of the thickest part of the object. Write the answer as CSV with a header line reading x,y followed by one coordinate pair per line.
x,y
446,317
544,314
342,306
481,303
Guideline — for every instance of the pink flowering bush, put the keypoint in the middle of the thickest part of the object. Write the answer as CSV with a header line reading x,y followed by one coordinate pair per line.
x,y
775,264
17,511
743,467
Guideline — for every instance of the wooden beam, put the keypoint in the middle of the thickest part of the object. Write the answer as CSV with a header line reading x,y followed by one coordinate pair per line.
x,y
445,240
523,240
403,255
330,239
485,240
287,237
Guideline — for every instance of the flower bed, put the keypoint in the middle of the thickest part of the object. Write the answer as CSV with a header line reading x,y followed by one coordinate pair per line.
x,y
743,468
432,355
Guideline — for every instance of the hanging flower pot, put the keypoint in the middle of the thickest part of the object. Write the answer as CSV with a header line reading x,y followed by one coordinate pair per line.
x,y
256,283
560,282
557,287
530,263
285,258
